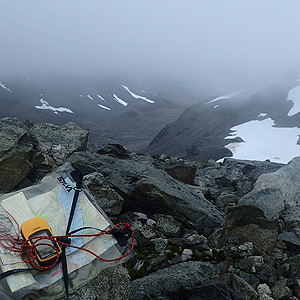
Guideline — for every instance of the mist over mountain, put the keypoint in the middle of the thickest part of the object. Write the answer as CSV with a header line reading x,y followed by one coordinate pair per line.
x,y
124,70
113,109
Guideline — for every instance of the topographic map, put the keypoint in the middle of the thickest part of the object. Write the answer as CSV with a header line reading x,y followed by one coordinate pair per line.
x,y
54,206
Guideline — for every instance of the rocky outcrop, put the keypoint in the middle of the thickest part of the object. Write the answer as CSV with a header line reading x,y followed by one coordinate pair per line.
x,y
231,233
277,193
16,149
150,190
175,280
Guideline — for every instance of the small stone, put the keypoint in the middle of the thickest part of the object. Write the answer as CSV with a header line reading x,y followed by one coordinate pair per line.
x,y
280,290
263,289
208,253
160,244
150,222
168,226
258,261
139,216
297,287
176,259
246,247
196,239
281,245
186,255
139,264
277,254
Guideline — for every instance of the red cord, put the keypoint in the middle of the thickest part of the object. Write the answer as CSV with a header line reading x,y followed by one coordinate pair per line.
x,y
32,253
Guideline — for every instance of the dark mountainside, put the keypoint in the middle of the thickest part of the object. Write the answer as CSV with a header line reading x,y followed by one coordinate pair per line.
x,y
203,230
199,133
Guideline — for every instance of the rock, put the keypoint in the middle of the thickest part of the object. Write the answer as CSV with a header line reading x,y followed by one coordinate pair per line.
x,y
281,291
160,244
214,290
274,192
182,172
139,216
16,148
291,240
194,239
243,288
111,283
296,287
263,289
248,223
145,230
257,260
115,150
150,190
186,255
293,270
173,281
250,168
246,247
168,226
58,142
290,216
179,201
94,178
110,201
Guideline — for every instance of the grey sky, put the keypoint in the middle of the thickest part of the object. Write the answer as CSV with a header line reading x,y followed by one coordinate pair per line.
x,y
186,38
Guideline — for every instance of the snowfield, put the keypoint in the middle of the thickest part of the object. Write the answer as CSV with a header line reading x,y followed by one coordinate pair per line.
x,y
264,141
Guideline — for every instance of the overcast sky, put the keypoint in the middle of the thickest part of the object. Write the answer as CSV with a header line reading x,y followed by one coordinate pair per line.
x,y
213,38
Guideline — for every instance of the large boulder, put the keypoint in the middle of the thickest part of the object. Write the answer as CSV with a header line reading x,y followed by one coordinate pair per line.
x,y
58,142
173,282
150,190
275,192
16,148
249,224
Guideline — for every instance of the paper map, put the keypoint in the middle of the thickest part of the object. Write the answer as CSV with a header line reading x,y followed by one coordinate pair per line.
x,y
54,206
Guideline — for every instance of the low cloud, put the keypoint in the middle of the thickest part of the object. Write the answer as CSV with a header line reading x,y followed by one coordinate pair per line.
x,y
215,43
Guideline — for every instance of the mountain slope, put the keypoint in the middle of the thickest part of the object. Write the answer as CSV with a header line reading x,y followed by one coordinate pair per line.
x,y
203,130
129,110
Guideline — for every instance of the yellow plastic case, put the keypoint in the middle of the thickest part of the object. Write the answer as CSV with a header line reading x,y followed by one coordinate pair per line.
x,y
37,227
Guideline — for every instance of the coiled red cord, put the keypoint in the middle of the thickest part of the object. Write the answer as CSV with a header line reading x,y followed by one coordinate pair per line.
x,y
32,251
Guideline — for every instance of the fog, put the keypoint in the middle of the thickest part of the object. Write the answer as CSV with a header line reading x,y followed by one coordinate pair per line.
x,y
216,42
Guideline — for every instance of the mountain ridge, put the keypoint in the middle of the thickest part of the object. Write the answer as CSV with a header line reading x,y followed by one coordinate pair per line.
x,y
203,130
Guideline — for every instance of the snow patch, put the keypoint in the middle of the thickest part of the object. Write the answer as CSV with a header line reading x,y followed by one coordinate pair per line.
x,y
80,96
264,141
100,97
137,96
4,87
262,115
120,100
216,106
294,95
90,97
45,105
104,107
226,96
